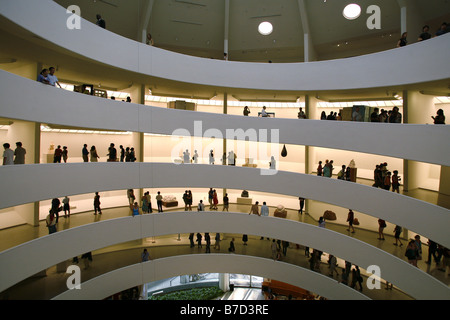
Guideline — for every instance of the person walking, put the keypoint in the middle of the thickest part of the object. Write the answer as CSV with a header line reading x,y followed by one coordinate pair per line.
x,y
191,240
432,250
226,202
217,243
381,226
302,204
66,206
397,232
232,248
350,219
97,204
199,240
208,242
285,245
215,200
332,261
244,239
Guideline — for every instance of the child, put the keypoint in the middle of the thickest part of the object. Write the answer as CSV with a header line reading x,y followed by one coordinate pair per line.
x,y
395,182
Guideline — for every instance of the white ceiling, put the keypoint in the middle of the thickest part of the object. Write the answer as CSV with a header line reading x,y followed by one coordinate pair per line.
x,y
197,27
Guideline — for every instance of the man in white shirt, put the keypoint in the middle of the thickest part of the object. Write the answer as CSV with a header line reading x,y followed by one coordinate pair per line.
x,y
201,206
8,155
264,113
356,116
52,78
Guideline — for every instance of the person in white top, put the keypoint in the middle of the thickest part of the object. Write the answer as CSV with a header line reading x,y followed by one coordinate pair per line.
x,y
264,113
8,155
195,157
201,206
52,78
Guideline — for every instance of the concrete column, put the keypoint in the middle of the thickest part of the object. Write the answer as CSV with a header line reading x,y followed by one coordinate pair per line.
x,y
225,111
224,281
310,111
37,158
227,24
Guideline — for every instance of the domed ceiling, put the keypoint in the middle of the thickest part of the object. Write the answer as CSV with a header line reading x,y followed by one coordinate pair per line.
x,y
201,27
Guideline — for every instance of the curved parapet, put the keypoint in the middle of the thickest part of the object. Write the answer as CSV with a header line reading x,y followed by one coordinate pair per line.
x,y
94,236
394,140
105,47
92,177
164,268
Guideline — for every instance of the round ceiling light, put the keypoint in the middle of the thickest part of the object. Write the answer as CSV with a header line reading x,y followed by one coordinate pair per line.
x,y
352,11
265,28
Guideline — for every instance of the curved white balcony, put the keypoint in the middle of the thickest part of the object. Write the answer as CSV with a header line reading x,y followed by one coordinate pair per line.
x,y
394,140
72,242
121,279
92,177
94,43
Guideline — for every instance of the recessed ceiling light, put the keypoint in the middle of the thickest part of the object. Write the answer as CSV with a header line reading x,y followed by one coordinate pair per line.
x,y
265,28
352,11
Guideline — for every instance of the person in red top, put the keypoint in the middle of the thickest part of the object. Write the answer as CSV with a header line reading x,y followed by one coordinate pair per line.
x,y
320,169
58,154
215,200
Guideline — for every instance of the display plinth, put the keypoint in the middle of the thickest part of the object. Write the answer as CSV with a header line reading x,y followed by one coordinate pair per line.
x,y
244,201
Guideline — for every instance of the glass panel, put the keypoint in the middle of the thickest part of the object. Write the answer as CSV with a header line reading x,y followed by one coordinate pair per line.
x,y
240,280
256,282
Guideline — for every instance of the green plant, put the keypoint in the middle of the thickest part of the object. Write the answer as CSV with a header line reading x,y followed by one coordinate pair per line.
x,y
208,293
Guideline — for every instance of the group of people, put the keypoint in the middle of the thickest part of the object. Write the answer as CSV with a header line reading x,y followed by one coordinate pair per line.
x,y
425,35
391,116
127,154
384,179
52,218
199,239
48,77
326,170
16,156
